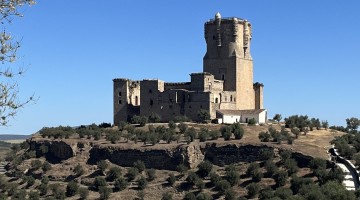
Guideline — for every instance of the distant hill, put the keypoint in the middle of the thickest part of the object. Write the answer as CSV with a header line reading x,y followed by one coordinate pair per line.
x,y
14,137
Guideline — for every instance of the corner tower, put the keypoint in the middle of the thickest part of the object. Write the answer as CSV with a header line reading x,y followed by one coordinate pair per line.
x,y
229,59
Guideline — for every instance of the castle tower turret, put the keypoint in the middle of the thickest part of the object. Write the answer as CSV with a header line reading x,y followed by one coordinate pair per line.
x,y
228,57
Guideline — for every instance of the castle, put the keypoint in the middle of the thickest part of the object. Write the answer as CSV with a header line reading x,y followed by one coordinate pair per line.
x,y
225,88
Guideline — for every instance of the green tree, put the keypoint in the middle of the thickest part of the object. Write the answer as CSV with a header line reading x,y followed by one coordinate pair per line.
x,y
280,178
189,196
114,173
132,173
239,133
264,136
182,127
166,196
102,165
33,195
277,117
226,132
154,118
36,164
172,125
253,189
79,170
295,131
104,192
352,124
140,165
46,166
71,188
142,183
84,193
222,186
325,124
204,168
151,174
120,184
171,179
99,182
203,115
190,134
204,134
232,175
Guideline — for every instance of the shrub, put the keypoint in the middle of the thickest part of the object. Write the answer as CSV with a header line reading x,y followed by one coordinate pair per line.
x,y
142,183
222,186
122,125
291,166
191,134
214,134
99,182
232,175
84,193
205,168
172,125
230,194
29,180
252,121
114,173
215,178
132,173
239,133
104,192
203,115
33,195
266,193
166,196
139,165
171,179
226,132
317,163
283,193
200,184
253,189
102,165
43,188
203,135
36,164
72,188
264,137
252,167
280,178
257,175
46,166
181,118
154,118
189,196
182,127
204,196
43,149
19,194
78,170
285,155
151,174
182,169
270,167
192,178
120,184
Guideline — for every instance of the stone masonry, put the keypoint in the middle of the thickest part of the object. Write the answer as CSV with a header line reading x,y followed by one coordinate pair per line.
x,y
226,81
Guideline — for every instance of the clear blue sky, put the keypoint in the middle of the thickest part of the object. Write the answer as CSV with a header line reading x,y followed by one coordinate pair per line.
x,y
307,54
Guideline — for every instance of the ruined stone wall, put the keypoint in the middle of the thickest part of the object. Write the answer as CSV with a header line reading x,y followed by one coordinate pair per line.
x,y
178,86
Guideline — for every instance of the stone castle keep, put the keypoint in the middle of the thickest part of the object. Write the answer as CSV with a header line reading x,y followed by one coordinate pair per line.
x,y
226,83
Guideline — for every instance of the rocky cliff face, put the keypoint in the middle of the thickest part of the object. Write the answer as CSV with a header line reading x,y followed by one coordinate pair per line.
x,y
160,158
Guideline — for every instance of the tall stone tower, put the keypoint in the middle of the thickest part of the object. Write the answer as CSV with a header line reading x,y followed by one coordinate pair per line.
x,y
228,57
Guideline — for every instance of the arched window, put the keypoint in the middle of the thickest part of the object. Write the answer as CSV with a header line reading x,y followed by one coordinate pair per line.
x,y
119,94
151,102
223,77
216,100
230,97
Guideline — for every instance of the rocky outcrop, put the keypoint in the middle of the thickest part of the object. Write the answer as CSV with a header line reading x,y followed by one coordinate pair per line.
x,y
57,150
234,153
159,157
152,158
